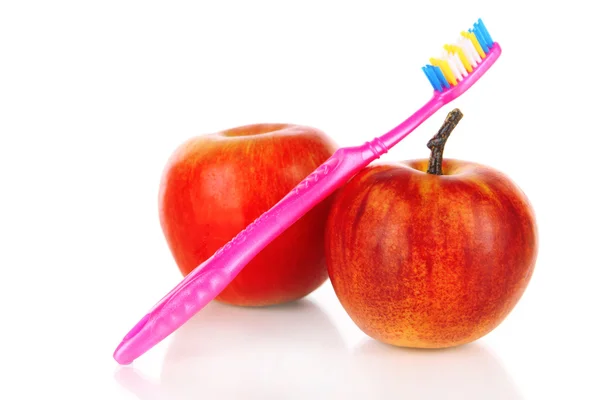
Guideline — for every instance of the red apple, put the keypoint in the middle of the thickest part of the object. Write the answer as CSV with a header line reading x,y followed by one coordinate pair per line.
x,y
420,259
214,185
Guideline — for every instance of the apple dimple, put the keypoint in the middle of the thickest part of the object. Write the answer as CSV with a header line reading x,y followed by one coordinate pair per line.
x,y
254,130
450,168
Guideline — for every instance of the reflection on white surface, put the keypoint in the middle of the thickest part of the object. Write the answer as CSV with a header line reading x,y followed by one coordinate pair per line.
x,y
465,372
295,352
225,352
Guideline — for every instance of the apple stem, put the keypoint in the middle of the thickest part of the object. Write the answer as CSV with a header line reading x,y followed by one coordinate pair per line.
x,y
437,143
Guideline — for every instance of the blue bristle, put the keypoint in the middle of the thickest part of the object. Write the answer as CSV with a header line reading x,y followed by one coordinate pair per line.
x,y
441,77
432,78
485,32
480,39
480,36
428,77
483,35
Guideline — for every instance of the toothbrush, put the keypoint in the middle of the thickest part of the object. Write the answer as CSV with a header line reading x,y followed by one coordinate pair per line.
x,y
459,67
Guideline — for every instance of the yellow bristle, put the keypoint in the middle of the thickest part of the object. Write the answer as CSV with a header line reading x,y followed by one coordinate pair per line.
x,y
471,36
461,55
443,64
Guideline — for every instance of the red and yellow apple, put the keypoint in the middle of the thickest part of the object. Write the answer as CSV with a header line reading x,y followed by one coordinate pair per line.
x,y
424,260
214,185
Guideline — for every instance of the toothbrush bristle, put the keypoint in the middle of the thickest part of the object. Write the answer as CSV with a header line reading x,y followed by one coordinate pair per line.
x,y
460,59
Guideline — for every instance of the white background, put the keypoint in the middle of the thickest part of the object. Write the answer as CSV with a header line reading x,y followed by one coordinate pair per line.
x,y
94,97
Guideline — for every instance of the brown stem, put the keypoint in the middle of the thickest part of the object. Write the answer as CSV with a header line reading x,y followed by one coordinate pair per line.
x,y
437,143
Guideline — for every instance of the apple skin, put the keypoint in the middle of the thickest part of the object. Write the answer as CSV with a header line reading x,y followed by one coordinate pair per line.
x,y
215,185
430,261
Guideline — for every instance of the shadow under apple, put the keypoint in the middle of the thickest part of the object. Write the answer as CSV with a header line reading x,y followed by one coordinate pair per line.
x,y
472,371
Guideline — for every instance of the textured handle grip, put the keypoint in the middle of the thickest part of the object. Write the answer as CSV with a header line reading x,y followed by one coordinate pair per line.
x,y
177,307
316,175
190,297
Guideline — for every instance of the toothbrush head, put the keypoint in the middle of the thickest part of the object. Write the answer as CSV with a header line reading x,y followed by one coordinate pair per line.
x,y
463,62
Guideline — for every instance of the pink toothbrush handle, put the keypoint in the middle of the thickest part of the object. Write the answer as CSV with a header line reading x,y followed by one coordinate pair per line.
x,y
210,278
